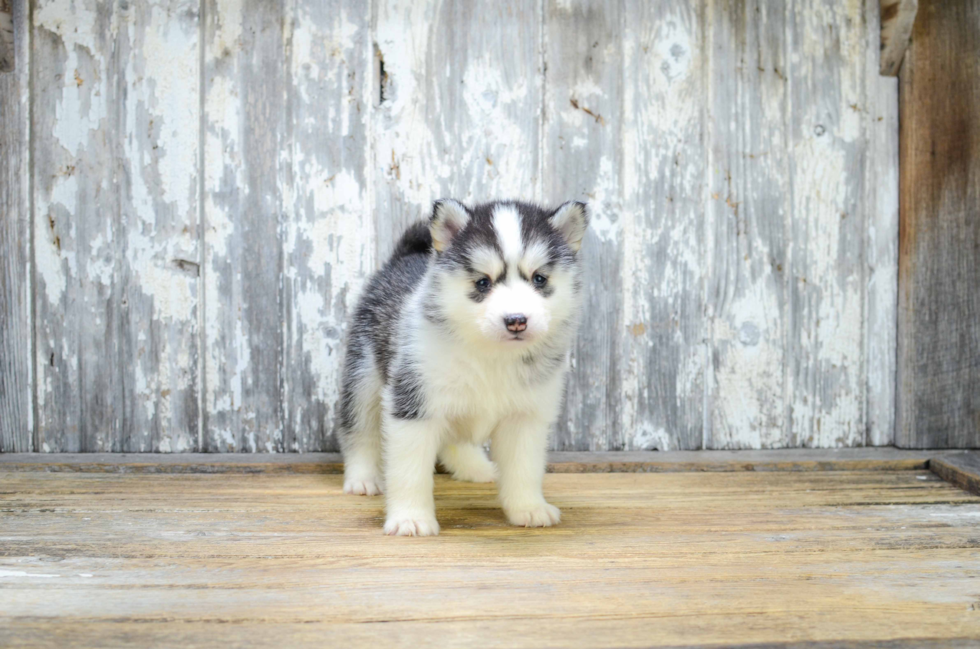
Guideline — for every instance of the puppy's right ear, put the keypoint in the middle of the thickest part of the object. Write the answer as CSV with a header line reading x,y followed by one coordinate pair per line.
x,y
571,220
449,217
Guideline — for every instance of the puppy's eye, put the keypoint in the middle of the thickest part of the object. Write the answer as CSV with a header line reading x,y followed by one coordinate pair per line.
x,y
539,280
483,284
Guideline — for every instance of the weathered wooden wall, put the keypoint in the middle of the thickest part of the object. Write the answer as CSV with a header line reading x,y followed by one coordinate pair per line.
x,y
939,300
212,182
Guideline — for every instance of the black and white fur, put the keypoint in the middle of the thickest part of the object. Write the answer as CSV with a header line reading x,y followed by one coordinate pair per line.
x,y
463,337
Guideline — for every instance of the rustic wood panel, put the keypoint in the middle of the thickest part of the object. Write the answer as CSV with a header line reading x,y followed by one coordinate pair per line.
x,y
660,353
939,258
748,239
288,560
829,97
583,159
459,107
115,224
245,143
880,328
16,370
328,232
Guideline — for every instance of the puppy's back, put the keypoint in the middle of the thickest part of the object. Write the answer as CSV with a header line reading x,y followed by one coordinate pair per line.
x,y
376,318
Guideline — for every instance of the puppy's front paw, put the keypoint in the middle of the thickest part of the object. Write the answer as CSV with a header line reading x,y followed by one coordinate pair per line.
x,y
362,486
411,525
537,515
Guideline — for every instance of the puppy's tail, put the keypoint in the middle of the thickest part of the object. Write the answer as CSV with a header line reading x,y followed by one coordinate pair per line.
x,y
416,241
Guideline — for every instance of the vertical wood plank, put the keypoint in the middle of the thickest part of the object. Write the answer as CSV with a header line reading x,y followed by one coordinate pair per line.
x,y
328,233
583,159
16,355
939,254
75,295
461,107
749,213
492,84
8,56
116,224
880,327
158,50
826,132
793,104
661,352
245,79
411,128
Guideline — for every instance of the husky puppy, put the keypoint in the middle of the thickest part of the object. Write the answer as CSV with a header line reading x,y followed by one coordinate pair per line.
x,y
462,337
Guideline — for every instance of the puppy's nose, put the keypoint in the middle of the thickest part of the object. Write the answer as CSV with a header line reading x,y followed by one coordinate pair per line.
x,y
515,322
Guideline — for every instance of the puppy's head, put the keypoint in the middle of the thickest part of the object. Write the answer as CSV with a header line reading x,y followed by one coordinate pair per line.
x,y
507,272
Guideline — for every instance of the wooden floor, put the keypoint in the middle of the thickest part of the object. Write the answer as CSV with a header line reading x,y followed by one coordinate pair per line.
x,y
839,558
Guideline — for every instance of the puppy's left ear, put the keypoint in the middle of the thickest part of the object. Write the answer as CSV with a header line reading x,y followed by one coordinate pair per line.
x,y
448,218
571,221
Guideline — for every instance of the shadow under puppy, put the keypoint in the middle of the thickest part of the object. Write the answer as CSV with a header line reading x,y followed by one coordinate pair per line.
x,y
463,337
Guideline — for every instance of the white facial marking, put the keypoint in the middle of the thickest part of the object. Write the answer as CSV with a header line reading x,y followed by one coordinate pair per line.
x,y
487,261
534,258
510,298
507,225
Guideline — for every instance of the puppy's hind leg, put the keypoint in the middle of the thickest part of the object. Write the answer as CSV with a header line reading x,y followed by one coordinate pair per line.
x,y
361,434
467,462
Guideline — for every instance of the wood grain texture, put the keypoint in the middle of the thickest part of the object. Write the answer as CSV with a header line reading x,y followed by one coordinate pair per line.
x,y
960,469
939,257
827,122
792,111
882,261
844,459
85,634
8,36
245,142
16,369
459,107
659,356
747,233
583,159
724,559
897,19
328,231
115,224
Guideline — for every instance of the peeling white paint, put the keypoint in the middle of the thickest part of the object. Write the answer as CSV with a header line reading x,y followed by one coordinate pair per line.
x,y
80,111
647,438
605,205
700,186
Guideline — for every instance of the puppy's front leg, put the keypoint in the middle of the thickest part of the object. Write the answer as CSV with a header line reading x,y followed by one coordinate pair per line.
x,y
519,448
410,448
